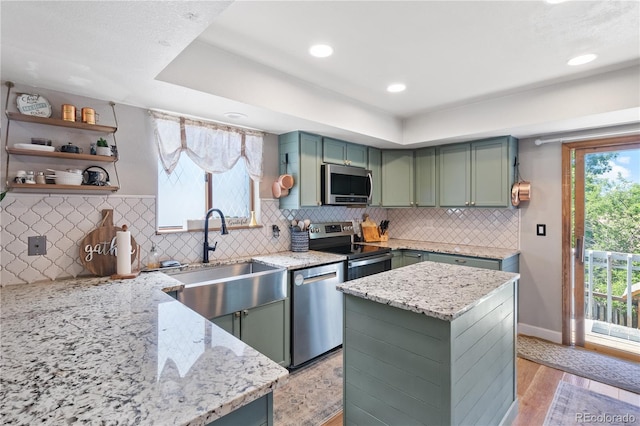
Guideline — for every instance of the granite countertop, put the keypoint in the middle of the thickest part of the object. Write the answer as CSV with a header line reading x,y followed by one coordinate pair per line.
x,y
120,352
459,249
437,290
298,260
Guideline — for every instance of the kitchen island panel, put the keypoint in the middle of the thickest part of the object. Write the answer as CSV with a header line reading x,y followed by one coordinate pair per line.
x,y
384,347
408,366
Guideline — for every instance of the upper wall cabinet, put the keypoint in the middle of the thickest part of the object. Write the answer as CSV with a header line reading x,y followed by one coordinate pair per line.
x,y
340,152
397,178
425,177
301,156
375,165
477,174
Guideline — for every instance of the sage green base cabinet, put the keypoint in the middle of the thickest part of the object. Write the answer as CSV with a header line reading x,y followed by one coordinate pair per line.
x,y
375,165
344,153
510,264
265,328
256,413
404,368
397,178
397,259
477,174
409,257
301,156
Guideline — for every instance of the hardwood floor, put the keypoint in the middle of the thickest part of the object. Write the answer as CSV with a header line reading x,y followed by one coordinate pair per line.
x,y
536,387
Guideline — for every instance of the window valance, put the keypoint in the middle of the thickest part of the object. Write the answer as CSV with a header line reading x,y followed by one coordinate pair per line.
x,y
214,147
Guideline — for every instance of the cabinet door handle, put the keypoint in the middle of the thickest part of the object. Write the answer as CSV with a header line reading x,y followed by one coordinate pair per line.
x,y
460,261
473,203
466,203
236,314
245,312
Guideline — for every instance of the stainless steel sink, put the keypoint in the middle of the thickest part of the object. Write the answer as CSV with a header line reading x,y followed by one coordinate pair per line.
x,y
217,291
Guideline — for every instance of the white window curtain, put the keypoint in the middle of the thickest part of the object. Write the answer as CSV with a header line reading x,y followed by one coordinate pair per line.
x,y
214,147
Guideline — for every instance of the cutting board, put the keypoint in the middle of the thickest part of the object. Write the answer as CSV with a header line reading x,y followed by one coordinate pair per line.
x,y
370,231
97,248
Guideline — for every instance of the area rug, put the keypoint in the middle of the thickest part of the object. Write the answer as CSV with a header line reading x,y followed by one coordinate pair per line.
x,y
581,362
312,394
573,405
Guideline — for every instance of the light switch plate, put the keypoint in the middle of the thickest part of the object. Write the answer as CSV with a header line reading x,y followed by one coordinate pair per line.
x,y
37,245
541,229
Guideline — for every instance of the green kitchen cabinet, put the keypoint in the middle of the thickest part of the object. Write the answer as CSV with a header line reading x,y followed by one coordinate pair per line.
x,y
300,155
265,328
255,413
397,178
425,177
397,259
409,257
375,165
335,151
477,174
509,264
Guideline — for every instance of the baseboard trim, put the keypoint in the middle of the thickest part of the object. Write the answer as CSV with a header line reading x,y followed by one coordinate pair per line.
x,y
541,333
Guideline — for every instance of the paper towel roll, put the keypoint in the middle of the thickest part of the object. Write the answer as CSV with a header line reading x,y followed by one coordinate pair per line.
x,y
123,252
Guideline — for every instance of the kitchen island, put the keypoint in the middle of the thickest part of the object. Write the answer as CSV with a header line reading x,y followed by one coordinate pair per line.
x,y
98,351
430,343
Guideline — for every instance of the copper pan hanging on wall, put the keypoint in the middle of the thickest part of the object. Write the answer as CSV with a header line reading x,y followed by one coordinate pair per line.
x,y
520,191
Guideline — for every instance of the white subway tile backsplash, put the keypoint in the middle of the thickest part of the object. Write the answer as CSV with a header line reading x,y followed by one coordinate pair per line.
x,y
66,219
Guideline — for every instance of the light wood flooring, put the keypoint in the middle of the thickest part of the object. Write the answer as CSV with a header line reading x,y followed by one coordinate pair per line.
x,y
536,387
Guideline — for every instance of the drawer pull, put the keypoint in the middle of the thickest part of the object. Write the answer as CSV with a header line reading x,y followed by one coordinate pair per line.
x,y
461,261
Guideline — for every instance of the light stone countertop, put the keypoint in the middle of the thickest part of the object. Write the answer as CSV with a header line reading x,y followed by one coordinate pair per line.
x,y
96,351
298,260
458,249
437,290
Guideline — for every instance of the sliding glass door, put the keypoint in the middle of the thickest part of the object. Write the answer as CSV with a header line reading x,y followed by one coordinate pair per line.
x,y
601,257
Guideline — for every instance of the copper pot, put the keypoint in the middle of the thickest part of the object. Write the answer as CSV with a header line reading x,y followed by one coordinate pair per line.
x,y
520,191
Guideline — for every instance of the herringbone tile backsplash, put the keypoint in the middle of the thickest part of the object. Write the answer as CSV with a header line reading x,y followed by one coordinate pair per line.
x,y
66,219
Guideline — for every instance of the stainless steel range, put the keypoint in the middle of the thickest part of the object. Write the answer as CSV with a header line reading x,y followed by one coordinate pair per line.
x,y
362,259
316,305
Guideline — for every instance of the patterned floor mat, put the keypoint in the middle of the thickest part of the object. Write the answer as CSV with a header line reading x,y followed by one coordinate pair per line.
x,y
581,362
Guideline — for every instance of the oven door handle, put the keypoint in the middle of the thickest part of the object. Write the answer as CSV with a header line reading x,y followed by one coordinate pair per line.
x,y
370,260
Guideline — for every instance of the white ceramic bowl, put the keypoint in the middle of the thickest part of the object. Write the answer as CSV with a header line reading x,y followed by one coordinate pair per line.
x,y
68,180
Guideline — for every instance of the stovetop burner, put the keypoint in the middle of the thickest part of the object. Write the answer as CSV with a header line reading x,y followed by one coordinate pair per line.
x,y
336,237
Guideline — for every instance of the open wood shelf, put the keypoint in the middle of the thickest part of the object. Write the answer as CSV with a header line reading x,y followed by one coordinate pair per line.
x,y
67,155
16,116
48,186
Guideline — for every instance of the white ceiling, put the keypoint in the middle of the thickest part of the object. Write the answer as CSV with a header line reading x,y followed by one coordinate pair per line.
x,y
208,58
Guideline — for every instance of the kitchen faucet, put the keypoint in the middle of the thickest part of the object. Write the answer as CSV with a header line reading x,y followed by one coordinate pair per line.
x,y
223,231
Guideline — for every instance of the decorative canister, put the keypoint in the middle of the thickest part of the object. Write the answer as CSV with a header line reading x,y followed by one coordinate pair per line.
x,y
88,115
68,112
299,241
40,178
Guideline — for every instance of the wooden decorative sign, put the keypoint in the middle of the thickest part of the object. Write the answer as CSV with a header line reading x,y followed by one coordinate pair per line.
x,y
98,247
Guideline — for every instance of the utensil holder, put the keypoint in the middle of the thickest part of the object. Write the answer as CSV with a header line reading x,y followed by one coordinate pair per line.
x,y
299,241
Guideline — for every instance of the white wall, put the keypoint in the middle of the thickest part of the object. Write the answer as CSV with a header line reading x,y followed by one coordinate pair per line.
x,y
540,299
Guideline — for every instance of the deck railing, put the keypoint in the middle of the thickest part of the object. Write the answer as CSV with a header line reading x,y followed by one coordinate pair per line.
x,y
597,262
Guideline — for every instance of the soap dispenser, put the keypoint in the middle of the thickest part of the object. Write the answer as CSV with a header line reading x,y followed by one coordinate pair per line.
x,y
153,259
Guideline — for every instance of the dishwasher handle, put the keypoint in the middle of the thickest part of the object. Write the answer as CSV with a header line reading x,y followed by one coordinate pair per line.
x,y
300,279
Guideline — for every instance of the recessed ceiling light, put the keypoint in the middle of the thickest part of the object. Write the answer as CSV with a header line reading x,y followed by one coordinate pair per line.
x,y
235,115
321,50
582,59
555,1
396,87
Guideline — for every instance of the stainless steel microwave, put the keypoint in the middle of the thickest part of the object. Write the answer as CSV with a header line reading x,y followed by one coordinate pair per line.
x,y
345,185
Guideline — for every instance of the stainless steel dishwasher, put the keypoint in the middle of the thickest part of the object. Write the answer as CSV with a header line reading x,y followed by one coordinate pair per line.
x,y
316,313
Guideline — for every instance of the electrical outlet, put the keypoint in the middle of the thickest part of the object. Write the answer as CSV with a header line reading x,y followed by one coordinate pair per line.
x,y
37,245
